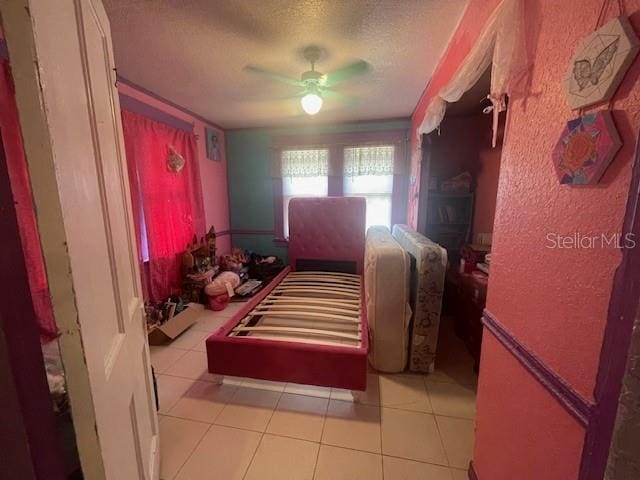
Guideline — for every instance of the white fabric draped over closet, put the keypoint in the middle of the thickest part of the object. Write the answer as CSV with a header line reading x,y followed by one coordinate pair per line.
x,y
501,45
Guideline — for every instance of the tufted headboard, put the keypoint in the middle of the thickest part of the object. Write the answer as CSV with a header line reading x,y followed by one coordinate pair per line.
x,y
327,233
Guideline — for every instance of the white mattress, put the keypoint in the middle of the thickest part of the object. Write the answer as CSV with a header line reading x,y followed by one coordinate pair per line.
x,y
386,279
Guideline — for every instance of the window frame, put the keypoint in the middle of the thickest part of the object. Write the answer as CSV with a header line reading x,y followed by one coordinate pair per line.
x,y
336,143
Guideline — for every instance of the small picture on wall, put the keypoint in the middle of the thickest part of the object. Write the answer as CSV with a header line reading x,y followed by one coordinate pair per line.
x,y
213,147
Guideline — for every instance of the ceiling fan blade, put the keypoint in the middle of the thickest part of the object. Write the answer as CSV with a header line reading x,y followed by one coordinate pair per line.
x,y
342,74
273,75
339,97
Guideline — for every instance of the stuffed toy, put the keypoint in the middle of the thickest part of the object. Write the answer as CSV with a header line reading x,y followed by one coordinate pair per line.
x,y
219,284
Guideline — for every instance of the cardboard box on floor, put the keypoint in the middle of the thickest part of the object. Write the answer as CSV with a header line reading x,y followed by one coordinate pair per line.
x,y
170,329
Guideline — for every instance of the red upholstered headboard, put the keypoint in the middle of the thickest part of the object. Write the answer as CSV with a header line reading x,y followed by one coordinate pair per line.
x,y
327,228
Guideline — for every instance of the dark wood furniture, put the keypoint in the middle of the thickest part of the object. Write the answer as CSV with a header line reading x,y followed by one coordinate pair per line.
x,y
465,299
449,220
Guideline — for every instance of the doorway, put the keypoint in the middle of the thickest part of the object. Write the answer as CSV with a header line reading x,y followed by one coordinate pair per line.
x,y
460,191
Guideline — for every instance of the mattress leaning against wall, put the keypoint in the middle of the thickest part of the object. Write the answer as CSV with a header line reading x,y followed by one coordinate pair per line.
x,y
427,285
386,281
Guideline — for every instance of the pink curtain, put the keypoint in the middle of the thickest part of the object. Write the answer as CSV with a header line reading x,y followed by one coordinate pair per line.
x,y
168,206
21,188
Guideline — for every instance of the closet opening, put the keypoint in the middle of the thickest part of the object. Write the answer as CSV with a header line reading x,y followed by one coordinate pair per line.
x,y
462,185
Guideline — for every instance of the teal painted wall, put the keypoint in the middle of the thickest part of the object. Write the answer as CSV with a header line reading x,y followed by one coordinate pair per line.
x,y
250,183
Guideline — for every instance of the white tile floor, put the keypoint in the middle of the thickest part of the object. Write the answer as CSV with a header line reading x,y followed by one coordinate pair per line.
x,y
409,427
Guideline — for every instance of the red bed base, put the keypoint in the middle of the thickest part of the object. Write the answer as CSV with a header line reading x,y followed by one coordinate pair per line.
x,y
328,228
327,366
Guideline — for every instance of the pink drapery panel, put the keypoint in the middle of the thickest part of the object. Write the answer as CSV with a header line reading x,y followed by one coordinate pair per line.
x,y
21,188
168,206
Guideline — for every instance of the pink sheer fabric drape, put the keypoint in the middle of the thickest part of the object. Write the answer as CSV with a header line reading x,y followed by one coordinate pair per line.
x,y
21,189
168,206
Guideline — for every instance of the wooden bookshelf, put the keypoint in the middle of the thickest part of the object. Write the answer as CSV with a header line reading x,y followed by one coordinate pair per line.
x,y
449,220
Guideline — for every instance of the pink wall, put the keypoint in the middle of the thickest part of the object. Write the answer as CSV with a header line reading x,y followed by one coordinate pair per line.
x,y
553,301
561,312
522,432
487,179
213,174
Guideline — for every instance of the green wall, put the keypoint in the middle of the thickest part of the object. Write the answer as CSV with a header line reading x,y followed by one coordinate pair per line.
x,y
250,184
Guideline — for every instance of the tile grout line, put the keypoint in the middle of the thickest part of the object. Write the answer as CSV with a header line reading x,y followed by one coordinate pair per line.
x,y
192,451
324,420
380,426
319,443
261,437
435,419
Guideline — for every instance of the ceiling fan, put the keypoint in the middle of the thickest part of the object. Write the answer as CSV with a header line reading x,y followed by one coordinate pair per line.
x,y
316,85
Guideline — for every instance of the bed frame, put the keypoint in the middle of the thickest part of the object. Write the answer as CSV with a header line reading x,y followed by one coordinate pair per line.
x,y
309,324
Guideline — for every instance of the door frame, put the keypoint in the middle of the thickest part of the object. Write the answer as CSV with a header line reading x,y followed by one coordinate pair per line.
x,y
29,447
623,307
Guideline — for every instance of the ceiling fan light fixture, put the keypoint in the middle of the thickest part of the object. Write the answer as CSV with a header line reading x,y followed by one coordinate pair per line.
x,y
311,103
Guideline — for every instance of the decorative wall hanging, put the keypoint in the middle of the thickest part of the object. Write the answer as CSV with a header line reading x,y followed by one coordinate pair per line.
x,y
585,148
175,162
213,148
600,62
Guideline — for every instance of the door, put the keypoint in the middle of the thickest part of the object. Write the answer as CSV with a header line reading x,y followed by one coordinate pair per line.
x,y
62,61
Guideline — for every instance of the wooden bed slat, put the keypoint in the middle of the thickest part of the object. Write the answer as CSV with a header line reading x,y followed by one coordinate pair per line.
x,y
313,283
334,291
300,331
300,314
306,323
321,273
321,308
338,302
320,278
279,337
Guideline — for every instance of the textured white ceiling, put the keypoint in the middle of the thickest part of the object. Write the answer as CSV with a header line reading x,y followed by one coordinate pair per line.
x,y
192,52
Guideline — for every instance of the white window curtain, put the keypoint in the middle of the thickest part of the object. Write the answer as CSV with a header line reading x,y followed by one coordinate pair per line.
x,y
304,163
368,172
304,174
376,160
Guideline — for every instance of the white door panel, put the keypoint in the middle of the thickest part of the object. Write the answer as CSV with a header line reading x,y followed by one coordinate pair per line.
x,y
61,54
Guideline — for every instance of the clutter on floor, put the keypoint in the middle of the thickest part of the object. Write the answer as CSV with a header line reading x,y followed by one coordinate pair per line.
x,y
208,281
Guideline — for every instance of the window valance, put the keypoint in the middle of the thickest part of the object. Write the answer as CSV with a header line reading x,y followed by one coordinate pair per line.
x,y
304,163
374,160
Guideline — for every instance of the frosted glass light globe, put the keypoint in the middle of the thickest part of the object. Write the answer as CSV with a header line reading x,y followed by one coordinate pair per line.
x,y
311,103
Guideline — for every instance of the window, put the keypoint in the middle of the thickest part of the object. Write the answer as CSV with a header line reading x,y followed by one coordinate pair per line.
x,y
304,174
367,164
368,172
